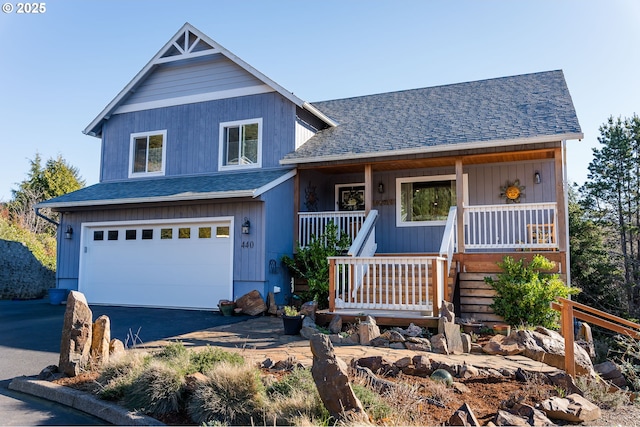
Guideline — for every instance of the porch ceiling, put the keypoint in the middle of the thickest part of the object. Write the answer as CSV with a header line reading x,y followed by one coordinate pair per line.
x,y
347,166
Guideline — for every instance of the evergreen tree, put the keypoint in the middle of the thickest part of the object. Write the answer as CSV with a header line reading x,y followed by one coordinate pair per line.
x,y
56,178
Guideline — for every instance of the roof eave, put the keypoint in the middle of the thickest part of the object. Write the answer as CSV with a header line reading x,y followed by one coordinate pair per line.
x,y
436,149
158,199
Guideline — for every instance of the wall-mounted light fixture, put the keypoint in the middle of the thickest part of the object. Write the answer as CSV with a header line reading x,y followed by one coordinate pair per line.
x,y
381,188
246,226
537,178
69,233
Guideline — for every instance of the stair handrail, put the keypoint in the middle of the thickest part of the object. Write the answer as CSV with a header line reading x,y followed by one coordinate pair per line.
x,y
449,241
363,238
570,309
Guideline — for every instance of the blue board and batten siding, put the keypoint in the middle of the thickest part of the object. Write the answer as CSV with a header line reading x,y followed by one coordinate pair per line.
x,y
484,183
193,131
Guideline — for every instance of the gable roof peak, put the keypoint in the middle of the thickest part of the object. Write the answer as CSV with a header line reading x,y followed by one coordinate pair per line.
x,y
187,43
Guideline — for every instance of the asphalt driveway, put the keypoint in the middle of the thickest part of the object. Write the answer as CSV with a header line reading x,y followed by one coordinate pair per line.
x,y
30,333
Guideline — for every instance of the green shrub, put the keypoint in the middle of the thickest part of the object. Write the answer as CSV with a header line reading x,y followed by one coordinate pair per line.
x,y
233,394
524,294
205,359
156,391
310,263
298,379
294,400
373,404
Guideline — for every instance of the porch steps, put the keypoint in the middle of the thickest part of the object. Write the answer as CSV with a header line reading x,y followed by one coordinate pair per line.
x,y
476,297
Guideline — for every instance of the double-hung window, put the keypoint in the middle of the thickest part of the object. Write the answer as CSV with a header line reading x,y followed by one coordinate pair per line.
x,y
240,144
147,153
426,200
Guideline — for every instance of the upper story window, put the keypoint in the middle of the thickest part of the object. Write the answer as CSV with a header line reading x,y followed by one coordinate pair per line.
x,y
426,200
240,144
147,153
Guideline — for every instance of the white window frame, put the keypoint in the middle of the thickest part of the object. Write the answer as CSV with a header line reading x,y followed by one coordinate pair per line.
x,y
132,147
222,142
428,178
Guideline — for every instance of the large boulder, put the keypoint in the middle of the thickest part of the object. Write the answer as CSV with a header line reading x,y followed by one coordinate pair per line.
x,y
330,375
251,303
368,330
544,345
75,345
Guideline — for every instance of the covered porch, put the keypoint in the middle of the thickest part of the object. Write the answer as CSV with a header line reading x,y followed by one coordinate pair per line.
x,y
471,237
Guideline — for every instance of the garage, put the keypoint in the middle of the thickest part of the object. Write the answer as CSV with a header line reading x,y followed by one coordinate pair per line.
x,y
179,264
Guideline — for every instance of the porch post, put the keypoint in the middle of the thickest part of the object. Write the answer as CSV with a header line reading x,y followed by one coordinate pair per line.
x,y
296,207
460,204
561,227
368,188
332,285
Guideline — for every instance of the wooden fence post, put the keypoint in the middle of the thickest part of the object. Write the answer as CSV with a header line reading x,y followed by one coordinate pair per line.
x,y
567,332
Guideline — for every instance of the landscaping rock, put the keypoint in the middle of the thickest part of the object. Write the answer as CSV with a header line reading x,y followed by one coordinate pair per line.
x,y
466,343
191,381
460,388
368,330
403,363
397,345
335,326
422,366
611,372
565,382
251,303
380,342
439,344
309,328
75,345
271,303
418,344
332,382
393,336
574,408
378,365
116,348
48,373
504,346
544,345
101,337
463,417
468,371
504,418
309,309
412,331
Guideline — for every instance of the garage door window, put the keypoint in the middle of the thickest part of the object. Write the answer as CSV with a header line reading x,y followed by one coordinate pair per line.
x,y
222,231
130,235
98,235
166,233
204,232
184,233
147,234
112,235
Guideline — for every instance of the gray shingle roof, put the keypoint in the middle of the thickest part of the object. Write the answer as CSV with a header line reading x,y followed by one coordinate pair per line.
x,y
231,184
444,118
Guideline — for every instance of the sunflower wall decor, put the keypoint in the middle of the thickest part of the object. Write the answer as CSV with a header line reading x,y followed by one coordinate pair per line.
x,y
512,191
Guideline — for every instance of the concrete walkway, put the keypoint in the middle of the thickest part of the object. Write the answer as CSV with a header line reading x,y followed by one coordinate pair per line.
x,y
263,337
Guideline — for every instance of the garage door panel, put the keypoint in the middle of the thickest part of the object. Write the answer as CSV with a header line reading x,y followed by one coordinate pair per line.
x,y
161,270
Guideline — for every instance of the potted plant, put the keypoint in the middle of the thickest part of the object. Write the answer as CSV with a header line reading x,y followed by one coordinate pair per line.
x,y
291,320
226,307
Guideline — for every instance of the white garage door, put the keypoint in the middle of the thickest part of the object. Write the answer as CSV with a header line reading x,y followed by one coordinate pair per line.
x,y
159,264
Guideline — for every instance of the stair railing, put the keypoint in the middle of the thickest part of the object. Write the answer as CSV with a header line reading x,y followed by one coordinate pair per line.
x,y
570,309
449,242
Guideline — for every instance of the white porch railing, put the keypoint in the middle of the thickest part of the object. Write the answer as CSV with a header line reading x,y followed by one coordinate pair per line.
x,y
449,239
518,226
312,224
387,283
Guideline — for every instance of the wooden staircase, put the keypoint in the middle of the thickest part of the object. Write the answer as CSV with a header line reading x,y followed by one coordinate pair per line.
x,y
476,296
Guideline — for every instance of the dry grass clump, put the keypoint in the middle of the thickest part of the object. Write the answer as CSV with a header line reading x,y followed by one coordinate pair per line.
x,y
118,375
232,394
158,390
294,400
600,393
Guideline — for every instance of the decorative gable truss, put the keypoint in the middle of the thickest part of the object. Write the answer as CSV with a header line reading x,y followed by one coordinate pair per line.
x,y
186,45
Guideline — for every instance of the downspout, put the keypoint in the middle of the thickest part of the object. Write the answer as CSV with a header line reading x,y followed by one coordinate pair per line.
x,y
46,218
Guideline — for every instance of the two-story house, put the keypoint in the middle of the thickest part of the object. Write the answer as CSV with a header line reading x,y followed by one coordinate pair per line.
x,y
210,172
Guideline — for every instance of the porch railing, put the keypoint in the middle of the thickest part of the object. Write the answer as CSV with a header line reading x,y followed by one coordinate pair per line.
x,y
518,226
386,283
449,241
312,224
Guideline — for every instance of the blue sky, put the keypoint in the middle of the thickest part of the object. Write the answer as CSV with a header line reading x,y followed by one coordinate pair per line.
x,y
59,69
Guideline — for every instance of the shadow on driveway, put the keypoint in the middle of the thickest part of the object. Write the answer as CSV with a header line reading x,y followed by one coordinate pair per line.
x,y
37,325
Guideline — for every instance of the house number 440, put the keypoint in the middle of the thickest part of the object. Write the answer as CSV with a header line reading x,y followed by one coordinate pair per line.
x,y
247,245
